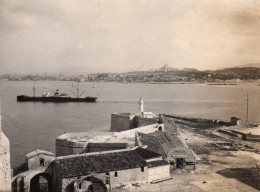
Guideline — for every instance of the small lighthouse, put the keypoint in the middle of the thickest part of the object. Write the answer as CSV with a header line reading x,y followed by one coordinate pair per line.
x,y
141,106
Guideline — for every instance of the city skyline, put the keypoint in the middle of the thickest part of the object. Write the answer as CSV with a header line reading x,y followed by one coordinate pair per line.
x,y
119,36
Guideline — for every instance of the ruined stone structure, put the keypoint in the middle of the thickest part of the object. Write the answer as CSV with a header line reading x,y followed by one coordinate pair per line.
x,y
5,165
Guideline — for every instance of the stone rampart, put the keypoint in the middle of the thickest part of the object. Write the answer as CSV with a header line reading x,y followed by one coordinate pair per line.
x,y
95,147
5,165
146,129
122,122
142,121
65,147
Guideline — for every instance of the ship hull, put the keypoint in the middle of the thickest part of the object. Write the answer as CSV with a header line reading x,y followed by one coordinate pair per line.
x,y
24,98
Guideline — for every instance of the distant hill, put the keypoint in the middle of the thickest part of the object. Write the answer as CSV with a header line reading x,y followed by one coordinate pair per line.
x,y
244,73
256,65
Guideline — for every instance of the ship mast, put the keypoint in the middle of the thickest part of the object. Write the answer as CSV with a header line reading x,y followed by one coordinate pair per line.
x,y
78,94
78,90
247,108
33,88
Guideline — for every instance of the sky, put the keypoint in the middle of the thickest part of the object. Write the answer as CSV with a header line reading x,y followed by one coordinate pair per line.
x,y
127,35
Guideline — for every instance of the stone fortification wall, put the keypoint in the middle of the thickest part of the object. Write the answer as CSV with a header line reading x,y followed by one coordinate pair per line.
x,y
122,122
65,147
5,165
35,161
96,147
169,124
131,133
125,121
142,121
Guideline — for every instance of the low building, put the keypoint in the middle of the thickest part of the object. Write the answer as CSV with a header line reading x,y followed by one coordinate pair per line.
x,y
171,148
235,121
158,169
38,158
110,168
88,171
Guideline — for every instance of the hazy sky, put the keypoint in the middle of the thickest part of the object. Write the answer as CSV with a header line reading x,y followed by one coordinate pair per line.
x,y
127,35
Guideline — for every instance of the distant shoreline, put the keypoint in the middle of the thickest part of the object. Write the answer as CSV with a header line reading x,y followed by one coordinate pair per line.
x,y
180,82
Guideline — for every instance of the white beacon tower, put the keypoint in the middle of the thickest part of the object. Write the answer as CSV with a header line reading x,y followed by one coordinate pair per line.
x,y
141,106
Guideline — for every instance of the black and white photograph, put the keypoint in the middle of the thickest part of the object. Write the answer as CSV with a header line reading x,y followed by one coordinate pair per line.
x,y
129,96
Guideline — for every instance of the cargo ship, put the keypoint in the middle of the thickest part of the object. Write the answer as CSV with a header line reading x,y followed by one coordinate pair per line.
x,y
57,97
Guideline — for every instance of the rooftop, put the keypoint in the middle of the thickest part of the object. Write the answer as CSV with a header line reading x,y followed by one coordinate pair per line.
x,y
163,143
147,154
37,152
158,163
85,164
97,137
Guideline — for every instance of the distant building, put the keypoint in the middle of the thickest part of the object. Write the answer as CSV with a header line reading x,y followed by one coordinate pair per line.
x,y
38,158
235,121
190,69
166,68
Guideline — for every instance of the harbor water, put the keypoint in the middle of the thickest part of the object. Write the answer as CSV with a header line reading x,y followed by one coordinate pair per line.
x,y
35,125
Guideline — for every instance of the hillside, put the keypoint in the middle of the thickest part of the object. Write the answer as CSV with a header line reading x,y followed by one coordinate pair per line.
x,y
255,65
243,73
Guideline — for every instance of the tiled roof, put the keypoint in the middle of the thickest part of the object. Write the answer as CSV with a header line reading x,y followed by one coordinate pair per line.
x,y
105,146
157,163
147,154
98,163
162,143
152,143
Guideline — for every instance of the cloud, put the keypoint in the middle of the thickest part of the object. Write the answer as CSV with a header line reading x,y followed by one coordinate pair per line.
x,y
41,35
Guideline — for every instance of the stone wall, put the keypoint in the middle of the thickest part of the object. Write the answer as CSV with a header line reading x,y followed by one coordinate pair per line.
x,y
122,122
121,177
146,129
34,162
142,121
5,165
126,121
169,124
65,147
157,173
129,176
96,147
